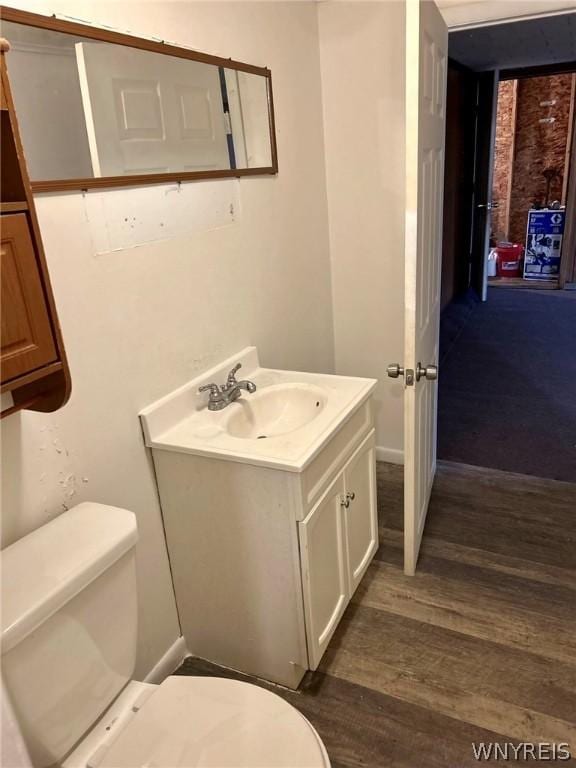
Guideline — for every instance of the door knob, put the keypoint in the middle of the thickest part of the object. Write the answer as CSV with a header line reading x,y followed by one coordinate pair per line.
x,y
394,370
489,206
429,372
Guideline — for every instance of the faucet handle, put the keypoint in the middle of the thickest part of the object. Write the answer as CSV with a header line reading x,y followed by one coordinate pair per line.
x,y
232,375
214,389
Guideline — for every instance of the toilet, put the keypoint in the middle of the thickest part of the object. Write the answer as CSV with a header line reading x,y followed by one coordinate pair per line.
x,y
69,624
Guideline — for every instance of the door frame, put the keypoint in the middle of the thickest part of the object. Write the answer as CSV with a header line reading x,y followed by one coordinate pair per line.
x,y
481,161
486,115
458,182
568,256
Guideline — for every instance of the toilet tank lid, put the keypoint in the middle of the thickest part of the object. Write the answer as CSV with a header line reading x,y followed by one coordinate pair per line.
x,y
49,566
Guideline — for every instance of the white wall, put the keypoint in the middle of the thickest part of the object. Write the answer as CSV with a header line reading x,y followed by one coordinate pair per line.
x,y
138,322
470,13
362,61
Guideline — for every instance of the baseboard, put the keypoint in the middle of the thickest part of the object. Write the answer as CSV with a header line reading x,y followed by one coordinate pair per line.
x,y
171,660
391,455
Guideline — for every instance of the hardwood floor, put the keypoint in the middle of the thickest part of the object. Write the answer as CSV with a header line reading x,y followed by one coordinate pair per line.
x,y
479,646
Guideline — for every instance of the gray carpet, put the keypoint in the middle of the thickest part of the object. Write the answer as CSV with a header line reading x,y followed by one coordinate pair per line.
x,y
507,386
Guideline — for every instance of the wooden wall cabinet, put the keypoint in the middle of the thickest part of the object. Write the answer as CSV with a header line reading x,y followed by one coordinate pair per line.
x,y
33,363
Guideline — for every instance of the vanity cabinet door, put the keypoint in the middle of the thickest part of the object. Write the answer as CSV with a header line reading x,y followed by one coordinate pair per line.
x,y
361,514
27,341
324,576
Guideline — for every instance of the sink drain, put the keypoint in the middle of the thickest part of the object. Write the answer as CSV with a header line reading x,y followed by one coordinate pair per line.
x,y
261,437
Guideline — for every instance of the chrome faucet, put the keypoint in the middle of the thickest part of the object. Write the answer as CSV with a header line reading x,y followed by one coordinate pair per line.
x,y
221,396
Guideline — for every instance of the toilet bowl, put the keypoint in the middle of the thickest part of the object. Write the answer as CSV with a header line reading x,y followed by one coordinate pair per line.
x,y
203,721
68,652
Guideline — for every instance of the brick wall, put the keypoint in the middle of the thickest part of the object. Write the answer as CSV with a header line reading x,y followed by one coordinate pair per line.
x,y
536,147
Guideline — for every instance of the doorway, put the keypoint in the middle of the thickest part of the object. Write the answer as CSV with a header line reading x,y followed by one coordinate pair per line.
x,y
536,41
506,392
531,168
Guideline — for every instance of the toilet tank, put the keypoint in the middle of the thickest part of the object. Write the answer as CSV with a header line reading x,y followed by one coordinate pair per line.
x,y
68,624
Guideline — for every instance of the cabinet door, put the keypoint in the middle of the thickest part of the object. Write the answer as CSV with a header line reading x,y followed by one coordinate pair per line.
x,y
361,514
27,341
324,579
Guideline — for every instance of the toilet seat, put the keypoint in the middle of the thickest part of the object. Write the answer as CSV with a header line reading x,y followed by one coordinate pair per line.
x,y
209,721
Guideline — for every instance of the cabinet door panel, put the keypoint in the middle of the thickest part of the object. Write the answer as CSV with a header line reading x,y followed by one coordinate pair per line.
x,y
361,516
323,570
27,341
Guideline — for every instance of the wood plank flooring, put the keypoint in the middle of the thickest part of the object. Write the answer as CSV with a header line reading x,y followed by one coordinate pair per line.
x,y
480,645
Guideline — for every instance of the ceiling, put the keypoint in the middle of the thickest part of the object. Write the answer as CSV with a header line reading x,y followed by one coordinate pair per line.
x,y
528,43
475,13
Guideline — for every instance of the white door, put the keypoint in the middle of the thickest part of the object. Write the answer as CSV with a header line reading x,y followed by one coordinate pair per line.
x,y
324,576
486,113
360,511
426,65
149,113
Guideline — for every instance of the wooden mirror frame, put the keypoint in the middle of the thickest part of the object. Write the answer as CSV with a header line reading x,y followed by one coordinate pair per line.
x,y
120,38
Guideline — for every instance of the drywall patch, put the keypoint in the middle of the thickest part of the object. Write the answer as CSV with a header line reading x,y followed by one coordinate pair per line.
x,y
127,218
67,483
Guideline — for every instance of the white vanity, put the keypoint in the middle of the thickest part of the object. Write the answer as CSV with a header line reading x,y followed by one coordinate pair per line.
x,y
270,512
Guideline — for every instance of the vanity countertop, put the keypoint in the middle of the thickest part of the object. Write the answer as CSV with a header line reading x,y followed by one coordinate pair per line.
x,y
181,421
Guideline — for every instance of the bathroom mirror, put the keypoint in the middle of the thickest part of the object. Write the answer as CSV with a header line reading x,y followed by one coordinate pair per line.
x,y
98,108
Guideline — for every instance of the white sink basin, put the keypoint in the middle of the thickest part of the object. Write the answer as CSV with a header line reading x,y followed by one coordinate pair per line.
x,y
282,425
276,410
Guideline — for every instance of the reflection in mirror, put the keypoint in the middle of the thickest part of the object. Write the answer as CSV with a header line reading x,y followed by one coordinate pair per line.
x,y
89,109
